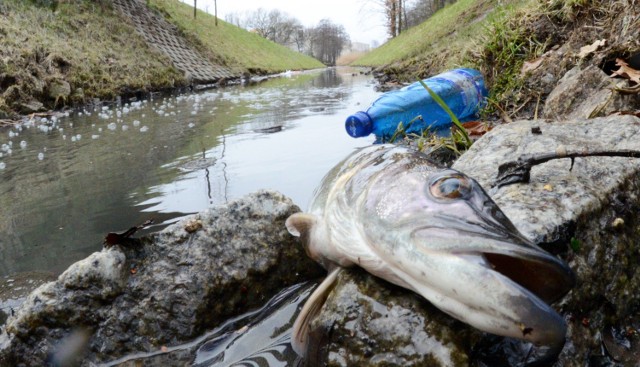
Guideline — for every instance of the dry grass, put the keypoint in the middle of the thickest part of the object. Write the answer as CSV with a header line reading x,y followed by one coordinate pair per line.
x,y
82,43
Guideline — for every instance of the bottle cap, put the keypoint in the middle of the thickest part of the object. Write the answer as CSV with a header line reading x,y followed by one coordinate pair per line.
x,y
359,124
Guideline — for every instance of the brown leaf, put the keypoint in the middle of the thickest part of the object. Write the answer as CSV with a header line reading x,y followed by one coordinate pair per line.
x,y
529,66
626,71
586,50
476,128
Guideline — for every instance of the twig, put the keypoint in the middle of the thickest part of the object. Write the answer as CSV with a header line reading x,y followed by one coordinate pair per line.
x,y
519,171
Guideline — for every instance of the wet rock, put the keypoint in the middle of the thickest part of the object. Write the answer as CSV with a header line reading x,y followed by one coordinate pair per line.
x,y
588,215
31,107
586,93
369,322
163,289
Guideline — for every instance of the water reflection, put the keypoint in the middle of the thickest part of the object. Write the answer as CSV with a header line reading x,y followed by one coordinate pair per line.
x,y
77,177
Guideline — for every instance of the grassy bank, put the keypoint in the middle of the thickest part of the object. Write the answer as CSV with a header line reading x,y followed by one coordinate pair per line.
x,y
80,50
82,46
235,47
500,37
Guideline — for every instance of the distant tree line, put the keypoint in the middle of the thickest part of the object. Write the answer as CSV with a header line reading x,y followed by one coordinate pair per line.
x,y
401,15
324,41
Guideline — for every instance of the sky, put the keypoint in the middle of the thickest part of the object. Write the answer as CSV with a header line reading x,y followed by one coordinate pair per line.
x,y
362,19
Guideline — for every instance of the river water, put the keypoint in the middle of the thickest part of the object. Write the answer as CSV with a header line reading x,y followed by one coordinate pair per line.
x,y
66,181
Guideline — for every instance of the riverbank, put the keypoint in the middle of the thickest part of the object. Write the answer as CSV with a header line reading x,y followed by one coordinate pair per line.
x,y
82,51
522,47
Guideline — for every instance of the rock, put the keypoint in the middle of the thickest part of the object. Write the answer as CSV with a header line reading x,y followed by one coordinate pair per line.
x,y
164,289
587,215
31,107
586,93
369,322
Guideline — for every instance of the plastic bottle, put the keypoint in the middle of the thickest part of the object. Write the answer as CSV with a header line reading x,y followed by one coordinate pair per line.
x,y
462,90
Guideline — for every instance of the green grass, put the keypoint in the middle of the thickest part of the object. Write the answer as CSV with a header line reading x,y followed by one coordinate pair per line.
x,y
453,27
235,47
452,37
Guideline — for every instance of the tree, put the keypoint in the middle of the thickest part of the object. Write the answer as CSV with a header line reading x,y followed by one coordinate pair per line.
x,y
326,41
273,25
400,15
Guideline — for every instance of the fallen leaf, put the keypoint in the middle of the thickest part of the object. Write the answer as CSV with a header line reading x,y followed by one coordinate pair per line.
x,y
164,349
529,66
626,71
548,187
476,128
586,50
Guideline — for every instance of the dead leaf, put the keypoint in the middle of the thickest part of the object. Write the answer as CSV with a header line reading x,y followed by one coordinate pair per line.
x,y
626,71
476,128
587,50
529,66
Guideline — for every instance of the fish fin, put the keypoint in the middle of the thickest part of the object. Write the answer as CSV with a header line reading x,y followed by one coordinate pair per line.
x,y
311,309
299,224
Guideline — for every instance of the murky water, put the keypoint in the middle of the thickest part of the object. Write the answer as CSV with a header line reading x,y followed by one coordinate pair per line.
x,y
66,182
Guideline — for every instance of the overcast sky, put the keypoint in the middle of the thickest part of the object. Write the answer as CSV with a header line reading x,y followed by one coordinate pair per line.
x,y
361,19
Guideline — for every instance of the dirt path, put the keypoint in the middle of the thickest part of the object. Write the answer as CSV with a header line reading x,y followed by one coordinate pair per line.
x,y
164,36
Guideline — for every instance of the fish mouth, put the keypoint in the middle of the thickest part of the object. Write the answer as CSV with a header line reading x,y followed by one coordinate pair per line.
x,y
508,253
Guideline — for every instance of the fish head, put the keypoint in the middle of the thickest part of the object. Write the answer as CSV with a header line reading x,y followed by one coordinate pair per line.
x,y
466,222
450,242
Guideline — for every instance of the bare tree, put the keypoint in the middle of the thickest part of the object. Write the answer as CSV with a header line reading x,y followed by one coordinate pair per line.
x,y
327,40
400,15
274,25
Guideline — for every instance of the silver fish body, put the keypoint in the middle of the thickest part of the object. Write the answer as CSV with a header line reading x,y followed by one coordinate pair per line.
x,y
436,232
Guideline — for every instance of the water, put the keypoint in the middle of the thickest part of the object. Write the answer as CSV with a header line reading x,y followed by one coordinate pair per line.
x,y
66,182
260,338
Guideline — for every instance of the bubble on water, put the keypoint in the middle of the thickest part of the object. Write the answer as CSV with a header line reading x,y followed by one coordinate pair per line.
x,y
144,129
23,144
191,124
2,165
112,126
78,137
136,123
94,137
99,129
11,134
73,138
40,156
64,137
125,127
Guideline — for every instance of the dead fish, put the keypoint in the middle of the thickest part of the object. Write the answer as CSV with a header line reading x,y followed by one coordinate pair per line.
x,y
435,231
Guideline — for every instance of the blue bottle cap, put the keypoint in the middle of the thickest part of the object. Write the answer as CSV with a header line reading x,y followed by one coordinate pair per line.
x,y
359,124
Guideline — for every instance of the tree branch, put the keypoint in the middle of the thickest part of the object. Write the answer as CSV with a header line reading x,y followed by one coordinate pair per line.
x,y
519,171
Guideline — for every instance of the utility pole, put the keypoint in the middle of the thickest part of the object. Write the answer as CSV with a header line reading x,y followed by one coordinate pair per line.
x,y
195,3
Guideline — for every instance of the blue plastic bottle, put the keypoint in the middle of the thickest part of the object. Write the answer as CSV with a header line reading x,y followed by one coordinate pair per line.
x,y
462,90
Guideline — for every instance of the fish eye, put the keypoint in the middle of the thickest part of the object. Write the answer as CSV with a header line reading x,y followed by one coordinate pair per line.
x,y
451,187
